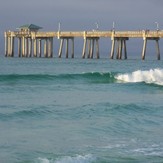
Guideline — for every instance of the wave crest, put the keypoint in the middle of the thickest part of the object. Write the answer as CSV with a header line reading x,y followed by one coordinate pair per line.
x,y
152,76
95,77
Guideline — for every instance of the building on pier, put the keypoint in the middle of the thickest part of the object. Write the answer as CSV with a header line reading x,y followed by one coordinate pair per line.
x,y
29,44
29,28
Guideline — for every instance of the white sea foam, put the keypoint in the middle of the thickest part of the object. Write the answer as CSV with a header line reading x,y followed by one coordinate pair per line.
x,y
43,160
67,159
150,151
154,76
115,146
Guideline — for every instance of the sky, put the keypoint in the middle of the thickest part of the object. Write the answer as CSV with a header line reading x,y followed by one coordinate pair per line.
x,y
77,15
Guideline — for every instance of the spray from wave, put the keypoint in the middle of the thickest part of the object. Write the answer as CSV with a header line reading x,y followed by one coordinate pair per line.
x,y
152,76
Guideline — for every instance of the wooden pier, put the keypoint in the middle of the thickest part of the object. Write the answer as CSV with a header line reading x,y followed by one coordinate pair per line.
x,y
33,43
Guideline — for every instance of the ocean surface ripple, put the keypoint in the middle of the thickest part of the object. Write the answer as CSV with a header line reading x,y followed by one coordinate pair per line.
x,y
80,111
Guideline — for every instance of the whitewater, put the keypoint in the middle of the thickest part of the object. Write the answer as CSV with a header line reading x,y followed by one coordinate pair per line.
x,y
154,76
80,110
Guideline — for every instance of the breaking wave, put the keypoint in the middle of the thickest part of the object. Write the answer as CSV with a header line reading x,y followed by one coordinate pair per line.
x,y
152,76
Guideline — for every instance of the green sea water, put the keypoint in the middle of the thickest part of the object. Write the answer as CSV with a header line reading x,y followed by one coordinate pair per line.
x,y
80,110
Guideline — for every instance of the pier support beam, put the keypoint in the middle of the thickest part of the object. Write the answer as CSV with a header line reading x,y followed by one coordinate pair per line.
x,y
6,45
120,43
29,47
35,47
97,48
125,49
9,46
22,48
72,54
50,47
61,47
39,48
45,48
66,46
13,44
145,46
66,50
19,47
51,41
84,48
158,49
89,48
89,43
26,47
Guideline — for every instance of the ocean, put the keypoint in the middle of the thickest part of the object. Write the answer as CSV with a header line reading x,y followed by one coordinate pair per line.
x,y
81,110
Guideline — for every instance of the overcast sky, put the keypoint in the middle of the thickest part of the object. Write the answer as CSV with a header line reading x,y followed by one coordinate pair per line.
x,y
81,14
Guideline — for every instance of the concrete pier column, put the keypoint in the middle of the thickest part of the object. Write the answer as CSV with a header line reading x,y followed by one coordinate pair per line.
x,y
144,48
84,48
45,48
61,47
39,48
120,44
72,40
51,47
29,47
97,48
89,48
112,49
158,49
67,47
92,48
120,49
23,46
11,48
6,45
48,47
19,47
117,56
35,47
125,49
49,44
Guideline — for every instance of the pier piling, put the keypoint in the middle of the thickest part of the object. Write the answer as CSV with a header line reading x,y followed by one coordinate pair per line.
x,y
120,44
158,49
145,46
89,43
66,46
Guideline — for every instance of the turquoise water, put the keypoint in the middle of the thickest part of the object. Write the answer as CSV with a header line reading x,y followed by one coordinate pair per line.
x,y
80,110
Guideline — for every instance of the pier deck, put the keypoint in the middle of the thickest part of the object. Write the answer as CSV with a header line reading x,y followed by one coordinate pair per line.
x,y
130,34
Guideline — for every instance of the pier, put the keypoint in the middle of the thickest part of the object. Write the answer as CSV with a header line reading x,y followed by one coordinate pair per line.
x,y
33,43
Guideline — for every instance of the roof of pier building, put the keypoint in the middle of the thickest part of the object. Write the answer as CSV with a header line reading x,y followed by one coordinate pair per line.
x,y
29,27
